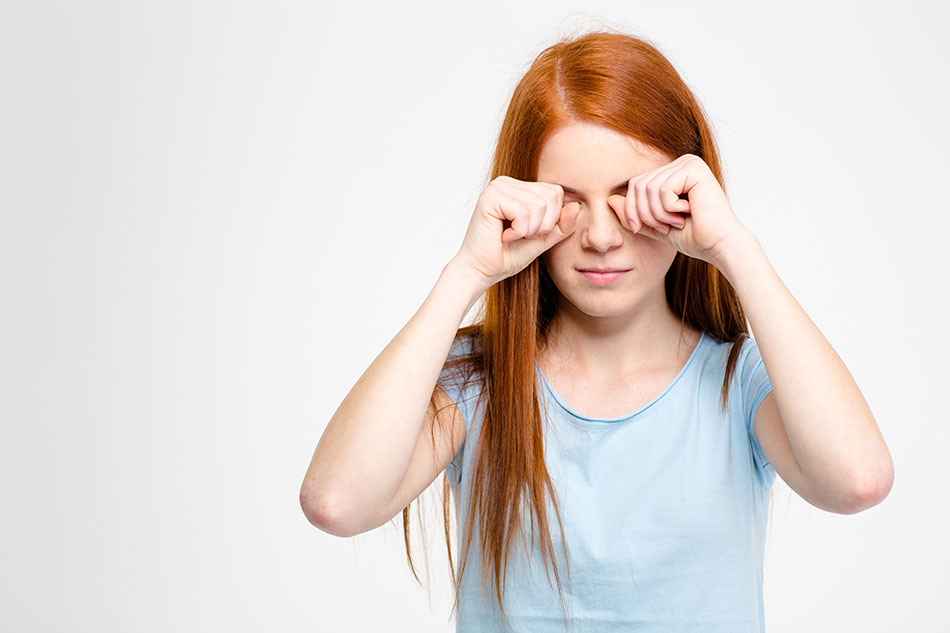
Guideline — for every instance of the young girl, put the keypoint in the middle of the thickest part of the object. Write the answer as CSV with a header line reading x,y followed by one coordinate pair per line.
x,y
607,422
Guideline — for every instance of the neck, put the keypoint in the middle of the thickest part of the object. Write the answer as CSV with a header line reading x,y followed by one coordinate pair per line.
x,y
608,348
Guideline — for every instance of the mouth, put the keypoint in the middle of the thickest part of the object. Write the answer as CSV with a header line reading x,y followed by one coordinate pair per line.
x,y
604,276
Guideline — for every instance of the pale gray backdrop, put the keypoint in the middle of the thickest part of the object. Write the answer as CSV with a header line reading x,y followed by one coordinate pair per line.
x,y
216,214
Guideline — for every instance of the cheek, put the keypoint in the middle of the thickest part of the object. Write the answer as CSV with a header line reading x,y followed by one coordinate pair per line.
x,y
659,257
557,264
554,256
653,249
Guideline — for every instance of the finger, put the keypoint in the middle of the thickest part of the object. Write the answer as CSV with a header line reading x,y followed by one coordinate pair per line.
x,y
555,208
644,213
618,203
672,201
630,208
654,188
552,194
682,180
651,233
567,220
534,203
515,211
670,192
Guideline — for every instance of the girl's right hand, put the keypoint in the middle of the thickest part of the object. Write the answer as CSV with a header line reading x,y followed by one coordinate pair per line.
x,y
513,223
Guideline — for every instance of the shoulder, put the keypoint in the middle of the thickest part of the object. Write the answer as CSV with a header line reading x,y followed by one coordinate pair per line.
x,y
463,362
746,348
465,347
737,362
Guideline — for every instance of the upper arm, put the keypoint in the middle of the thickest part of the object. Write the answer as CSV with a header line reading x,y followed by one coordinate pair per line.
x,y
771,436
428,461
770,433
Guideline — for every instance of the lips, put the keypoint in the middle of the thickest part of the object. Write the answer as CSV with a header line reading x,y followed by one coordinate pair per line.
x,y
603,277
604,270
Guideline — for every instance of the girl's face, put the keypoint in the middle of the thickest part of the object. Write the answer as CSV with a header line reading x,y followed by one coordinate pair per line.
x,y
592,163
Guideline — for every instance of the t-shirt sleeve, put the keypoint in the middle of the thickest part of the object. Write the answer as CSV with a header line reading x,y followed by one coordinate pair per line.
x,y
452,380
755,385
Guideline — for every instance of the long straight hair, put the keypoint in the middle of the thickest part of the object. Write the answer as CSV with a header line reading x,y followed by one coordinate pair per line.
x,y
624,83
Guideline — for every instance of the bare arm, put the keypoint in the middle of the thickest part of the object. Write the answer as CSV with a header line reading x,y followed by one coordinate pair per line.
x,y
365,451
818,430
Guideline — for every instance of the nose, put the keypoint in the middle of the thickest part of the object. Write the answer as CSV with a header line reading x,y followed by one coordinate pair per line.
x,y
600,228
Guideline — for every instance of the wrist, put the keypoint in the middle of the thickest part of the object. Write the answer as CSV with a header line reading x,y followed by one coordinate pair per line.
x,y
734,251
459,274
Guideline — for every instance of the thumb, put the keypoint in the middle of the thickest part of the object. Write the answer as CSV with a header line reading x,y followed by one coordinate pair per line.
x,y
565,224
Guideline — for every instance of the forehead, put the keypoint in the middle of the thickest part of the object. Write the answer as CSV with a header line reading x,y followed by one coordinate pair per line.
x,y
587,157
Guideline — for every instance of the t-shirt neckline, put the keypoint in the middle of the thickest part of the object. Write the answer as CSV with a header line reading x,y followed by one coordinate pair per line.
x,y
658,398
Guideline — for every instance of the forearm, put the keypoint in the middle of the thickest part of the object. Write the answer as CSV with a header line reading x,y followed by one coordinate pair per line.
x,y
830,427
366,448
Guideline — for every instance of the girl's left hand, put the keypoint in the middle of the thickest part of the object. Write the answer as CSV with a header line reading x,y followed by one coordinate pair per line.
x,y
703,222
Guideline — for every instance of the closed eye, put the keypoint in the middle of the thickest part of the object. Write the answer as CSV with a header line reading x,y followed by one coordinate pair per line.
x,y
619,189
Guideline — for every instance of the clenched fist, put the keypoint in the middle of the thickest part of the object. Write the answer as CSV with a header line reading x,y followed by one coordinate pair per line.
x,y
513,223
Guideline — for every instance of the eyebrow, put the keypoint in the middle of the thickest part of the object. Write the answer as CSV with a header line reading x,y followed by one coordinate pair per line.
x,y
571,190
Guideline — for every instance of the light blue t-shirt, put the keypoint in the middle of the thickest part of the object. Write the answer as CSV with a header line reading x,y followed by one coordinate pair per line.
x,y
664,510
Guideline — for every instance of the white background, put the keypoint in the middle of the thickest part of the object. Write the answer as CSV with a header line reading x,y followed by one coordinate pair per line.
x,y
216,214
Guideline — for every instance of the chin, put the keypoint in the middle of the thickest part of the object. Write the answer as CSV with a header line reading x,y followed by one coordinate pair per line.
x,y
605,305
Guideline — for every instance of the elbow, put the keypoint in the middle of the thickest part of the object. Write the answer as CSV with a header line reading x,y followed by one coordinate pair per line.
x,y
872,488
323,512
